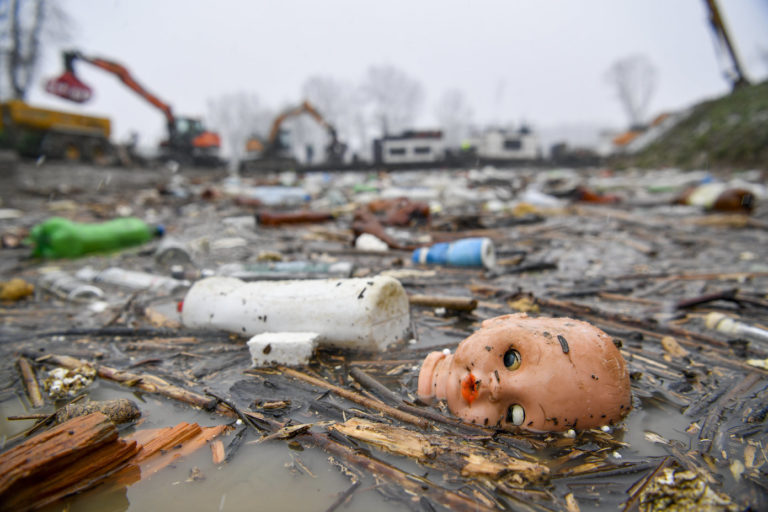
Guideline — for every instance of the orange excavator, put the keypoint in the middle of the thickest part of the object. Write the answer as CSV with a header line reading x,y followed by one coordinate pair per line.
x,y
188,140
276,148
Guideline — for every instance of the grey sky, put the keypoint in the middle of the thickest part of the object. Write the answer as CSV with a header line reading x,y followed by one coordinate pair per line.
x,y
539,61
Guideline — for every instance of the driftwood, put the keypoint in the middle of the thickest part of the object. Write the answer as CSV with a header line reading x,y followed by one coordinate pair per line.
x,y
69,458
439,449
143,381
359,399
438,301
163,446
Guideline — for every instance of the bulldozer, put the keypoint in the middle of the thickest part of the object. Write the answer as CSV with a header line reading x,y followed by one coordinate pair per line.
x,y
188,140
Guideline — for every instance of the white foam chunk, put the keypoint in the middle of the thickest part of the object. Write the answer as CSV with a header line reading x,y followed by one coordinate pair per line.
x,y
284,348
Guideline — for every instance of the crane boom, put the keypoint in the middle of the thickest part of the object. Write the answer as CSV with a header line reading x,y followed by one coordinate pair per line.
x,y
124,76
737,76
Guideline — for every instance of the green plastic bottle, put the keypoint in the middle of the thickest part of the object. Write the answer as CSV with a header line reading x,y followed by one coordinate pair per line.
x,y
61,238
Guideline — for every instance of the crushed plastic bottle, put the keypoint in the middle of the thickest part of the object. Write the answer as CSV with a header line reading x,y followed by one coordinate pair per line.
x,y
58,237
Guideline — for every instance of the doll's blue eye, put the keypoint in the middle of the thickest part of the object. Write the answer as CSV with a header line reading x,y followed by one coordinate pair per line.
x,y
512,359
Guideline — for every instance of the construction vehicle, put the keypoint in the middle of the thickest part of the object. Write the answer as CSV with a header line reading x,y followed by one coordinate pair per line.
x,y
35,132
275,152
735,74
188,142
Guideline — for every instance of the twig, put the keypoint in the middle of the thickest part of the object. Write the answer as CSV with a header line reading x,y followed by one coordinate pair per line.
x,y
145,382
435,301
30,383
343,497
375,386
712,420
359,399
636,490
729,294
27,417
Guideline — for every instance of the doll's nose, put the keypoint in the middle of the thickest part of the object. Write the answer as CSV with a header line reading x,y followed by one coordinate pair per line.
x,y
494,390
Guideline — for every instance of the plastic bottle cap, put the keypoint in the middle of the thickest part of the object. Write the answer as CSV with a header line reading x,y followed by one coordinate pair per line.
x,y
160,230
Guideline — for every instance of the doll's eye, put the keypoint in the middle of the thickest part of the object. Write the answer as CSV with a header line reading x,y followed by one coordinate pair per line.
x,y
512,359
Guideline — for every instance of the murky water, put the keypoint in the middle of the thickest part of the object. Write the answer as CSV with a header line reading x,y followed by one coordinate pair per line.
x,y
277,475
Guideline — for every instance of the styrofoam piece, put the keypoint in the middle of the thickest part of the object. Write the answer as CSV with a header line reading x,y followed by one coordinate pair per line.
x,y
285,348
369,242
367,313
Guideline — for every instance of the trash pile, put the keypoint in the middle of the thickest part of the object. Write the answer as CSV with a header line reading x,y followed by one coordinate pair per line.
x,y
476,339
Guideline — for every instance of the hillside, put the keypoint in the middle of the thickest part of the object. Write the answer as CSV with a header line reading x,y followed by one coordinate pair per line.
x,y
725,133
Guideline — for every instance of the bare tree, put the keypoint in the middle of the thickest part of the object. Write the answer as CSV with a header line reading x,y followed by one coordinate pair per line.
x,y
395,97
634,79
343,105
454,114
30,24
238,116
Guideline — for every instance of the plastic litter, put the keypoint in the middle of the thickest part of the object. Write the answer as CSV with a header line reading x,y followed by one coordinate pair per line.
x,y
58,237
728,325
277,195
286,270
132,279
172,252
369,242
367,313
284,348
67,286
539,374
467,252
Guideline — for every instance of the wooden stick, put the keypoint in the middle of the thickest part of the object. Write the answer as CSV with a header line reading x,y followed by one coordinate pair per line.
x,y
359,399
437,301
410,483
343,497
27,417
375,386
143,381
30,383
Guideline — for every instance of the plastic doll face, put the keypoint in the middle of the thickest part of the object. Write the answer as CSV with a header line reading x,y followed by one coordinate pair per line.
x,y
541,374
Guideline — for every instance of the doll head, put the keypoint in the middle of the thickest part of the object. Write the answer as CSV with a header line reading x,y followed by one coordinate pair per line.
x,y
540,374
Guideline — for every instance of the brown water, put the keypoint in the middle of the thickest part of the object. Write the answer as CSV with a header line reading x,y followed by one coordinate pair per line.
x,y
273,475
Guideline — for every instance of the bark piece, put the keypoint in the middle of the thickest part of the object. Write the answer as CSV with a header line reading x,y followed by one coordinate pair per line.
x,y
69,458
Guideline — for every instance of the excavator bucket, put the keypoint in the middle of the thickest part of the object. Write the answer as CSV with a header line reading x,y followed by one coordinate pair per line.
x,y
69,87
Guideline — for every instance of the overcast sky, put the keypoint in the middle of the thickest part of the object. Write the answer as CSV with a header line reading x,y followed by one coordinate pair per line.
x,y
540,61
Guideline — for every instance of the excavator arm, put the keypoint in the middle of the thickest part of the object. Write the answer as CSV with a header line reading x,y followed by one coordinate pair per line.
x,y
121,73
188,139
335,149
736,74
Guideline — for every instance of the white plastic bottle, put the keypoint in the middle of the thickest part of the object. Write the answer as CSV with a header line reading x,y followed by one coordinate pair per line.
x,y
369,313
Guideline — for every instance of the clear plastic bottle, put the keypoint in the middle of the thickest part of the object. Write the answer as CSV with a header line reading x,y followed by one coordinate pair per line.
x,y
132,279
